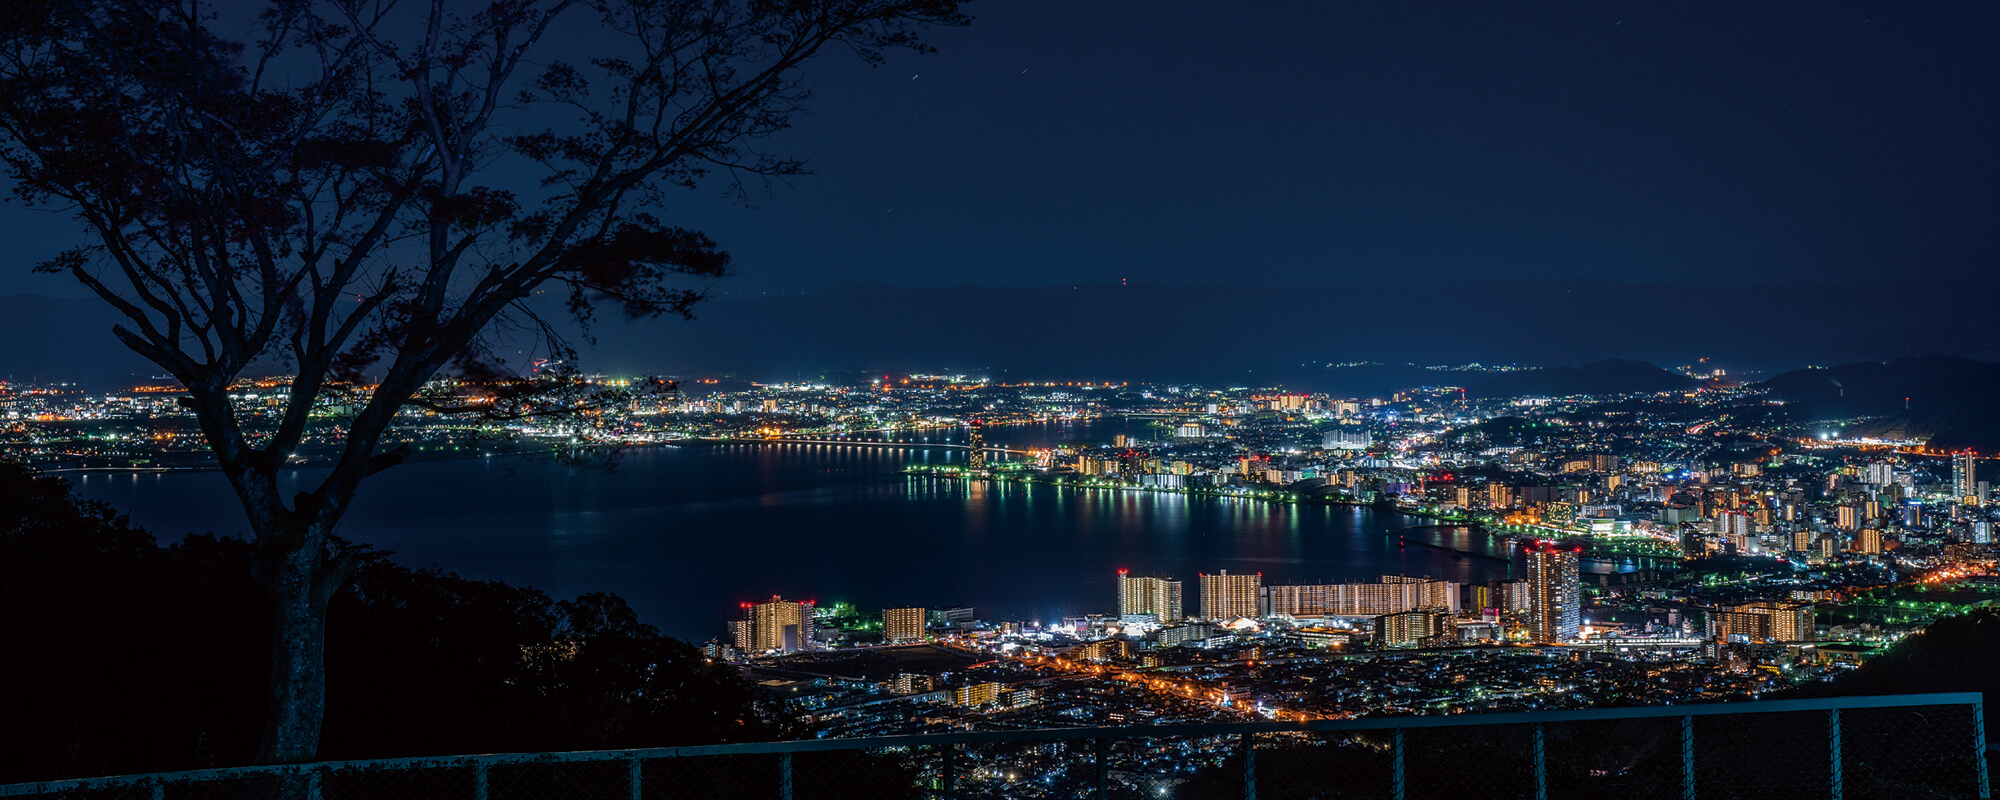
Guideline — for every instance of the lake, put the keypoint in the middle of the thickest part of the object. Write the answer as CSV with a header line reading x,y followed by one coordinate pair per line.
x,y
686,534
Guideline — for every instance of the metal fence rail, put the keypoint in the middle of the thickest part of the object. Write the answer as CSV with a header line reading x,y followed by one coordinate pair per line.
x,y
1899,746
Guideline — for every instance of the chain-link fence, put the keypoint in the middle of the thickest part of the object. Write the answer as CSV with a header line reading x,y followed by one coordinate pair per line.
x,y
1858,748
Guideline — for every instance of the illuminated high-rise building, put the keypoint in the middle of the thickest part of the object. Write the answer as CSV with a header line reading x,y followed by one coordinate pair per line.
x,y
1225,596
1555,599
780,624
901,625
975,439
1847,516
1158,598
1393,595
1410,628
1964,477
1764,621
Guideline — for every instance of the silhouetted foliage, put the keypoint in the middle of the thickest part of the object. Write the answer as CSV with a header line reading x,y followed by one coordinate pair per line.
x,y
121,656
351,192
1954,654
124,656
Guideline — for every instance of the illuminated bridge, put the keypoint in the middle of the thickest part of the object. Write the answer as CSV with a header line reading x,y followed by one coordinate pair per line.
x,y
1897,746
868,443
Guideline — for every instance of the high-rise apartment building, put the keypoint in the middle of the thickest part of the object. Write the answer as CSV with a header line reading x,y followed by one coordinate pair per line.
x,y
1555,599
978,694
779,624
903,625
1158,598
1514,596
1225,596
1965,477
1395,594
1765,620
1410,628
975,440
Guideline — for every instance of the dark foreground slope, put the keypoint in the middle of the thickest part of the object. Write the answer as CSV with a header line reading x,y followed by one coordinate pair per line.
x,y
123,656
1954,654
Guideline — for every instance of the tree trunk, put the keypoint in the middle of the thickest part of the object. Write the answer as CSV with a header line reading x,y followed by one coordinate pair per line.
x,y
299,592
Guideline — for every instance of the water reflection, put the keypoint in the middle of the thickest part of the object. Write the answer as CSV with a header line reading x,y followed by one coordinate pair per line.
x,y
686,533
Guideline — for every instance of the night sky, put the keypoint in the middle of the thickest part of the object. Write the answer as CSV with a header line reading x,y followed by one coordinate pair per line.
x,y
1323,143
1317,144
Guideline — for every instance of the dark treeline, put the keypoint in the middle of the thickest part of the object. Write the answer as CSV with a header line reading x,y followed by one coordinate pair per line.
x,y
118,656
1954,654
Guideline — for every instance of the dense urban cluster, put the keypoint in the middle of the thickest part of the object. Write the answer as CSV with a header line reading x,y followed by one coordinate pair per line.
x,y
1674,546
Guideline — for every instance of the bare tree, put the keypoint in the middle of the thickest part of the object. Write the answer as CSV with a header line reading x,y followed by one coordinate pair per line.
x,y
335,196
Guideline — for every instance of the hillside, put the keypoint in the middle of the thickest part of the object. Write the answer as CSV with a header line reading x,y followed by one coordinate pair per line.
x,y
1258,336
1953,402
1611,376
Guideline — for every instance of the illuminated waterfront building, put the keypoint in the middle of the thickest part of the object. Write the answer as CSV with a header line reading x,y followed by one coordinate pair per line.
x,y
1225,596
780,624
975,439
1157,598
1393,595
1555,612
901,625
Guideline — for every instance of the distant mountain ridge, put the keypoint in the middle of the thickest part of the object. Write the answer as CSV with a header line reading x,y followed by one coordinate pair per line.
x,y
1220,335
1951,401
1610,376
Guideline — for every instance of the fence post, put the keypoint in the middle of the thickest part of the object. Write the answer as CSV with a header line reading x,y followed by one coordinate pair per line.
x,y
479,781
1249,747
1687,758
784,776
1103,747
632,779
948,772
1979,749
1839,783
1398,789
1541,765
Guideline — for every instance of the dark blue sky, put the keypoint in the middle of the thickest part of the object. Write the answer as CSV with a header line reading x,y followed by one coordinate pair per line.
x,y
1172,141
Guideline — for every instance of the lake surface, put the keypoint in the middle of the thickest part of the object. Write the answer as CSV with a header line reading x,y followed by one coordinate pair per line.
x,y
687,533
